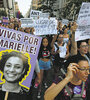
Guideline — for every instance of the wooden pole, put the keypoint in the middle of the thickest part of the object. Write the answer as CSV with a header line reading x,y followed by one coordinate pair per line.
x,y
6,95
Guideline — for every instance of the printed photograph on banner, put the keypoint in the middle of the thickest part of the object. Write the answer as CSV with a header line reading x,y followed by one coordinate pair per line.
x,y
15,67
18,54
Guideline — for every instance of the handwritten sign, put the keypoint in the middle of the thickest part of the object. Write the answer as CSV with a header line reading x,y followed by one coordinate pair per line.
x,y
83,31
44,26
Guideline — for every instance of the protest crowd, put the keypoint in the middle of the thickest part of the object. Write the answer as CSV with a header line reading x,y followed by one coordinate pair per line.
x,y
65,56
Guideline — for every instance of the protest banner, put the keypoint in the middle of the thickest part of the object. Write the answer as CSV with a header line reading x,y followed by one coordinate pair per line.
x,y
5,20
25,46
83,30
27,22
45,26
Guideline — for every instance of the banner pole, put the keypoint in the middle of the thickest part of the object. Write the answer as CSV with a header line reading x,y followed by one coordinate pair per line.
x,y
6,95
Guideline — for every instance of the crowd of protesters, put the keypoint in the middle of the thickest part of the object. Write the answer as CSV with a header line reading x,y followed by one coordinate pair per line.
x,y
58,51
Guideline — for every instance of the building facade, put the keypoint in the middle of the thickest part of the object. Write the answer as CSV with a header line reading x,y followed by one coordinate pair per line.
x,y
8,7
35,4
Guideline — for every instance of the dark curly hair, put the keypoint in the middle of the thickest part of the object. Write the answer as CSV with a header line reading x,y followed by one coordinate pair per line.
x,y
6,55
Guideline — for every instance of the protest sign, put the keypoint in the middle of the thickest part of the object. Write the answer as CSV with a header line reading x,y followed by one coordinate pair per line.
x,y
44,15
45,26
83,31
35,14
65,21
16,42
5,20
27,22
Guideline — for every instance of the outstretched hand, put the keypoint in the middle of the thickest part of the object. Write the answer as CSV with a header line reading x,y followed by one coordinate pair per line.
x,y
74,27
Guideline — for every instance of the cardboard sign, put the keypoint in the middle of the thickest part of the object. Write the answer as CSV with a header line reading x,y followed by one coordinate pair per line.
x,y
83,31
45,26
20,42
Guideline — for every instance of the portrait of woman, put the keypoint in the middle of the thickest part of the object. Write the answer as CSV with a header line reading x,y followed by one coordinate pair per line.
x,y
14,66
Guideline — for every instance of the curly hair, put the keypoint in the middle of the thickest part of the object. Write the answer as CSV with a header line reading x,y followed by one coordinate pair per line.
x,y
6,55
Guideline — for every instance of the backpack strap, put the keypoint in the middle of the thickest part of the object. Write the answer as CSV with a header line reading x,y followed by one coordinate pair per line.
x,y
83,86
56,46
67,88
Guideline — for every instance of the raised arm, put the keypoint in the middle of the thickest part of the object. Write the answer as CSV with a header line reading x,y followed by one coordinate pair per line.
x,y
55,89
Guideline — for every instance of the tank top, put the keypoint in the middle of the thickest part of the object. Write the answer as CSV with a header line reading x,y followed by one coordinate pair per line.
x,y
63,50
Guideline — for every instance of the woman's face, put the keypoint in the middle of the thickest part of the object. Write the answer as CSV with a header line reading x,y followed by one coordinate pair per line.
x,y
83,48
83,72
45,42
60,38
65,31
13,69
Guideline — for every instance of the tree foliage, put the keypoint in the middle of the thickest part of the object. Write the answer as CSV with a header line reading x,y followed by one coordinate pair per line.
x,y
71,9
47,6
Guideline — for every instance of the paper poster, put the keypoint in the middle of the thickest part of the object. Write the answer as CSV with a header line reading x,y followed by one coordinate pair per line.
x,y
83,31
45,26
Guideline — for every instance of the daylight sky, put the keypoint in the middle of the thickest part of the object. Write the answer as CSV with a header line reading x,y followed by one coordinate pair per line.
x,y
24,5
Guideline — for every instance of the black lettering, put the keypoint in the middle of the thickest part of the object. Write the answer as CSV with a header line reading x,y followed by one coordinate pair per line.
x,y
31,49
18,47
31,40
22,47
36,41
5,33
18,37
11,45
15,46
6,44
9,34
26,48
25,38
1,32
1,43
14,36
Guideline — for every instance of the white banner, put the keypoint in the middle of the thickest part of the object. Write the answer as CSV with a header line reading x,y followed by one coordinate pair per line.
x,y
45,26
42,26
44,15
27,22
83,31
